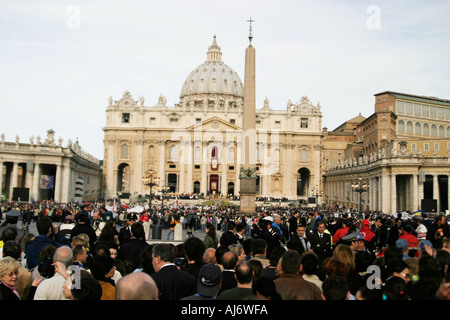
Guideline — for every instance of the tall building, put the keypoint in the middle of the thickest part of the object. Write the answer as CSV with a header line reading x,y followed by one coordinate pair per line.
x,y
46,170
403,161
195,146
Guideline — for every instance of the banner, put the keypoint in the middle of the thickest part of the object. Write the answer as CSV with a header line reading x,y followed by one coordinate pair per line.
x,y
47,182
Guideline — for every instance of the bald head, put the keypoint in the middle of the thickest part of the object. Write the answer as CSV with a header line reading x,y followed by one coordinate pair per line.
x,y
210,256
137,286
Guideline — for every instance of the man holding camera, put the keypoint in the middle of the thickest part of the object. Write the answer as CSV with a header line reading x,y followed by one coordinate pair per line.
x,y
438,231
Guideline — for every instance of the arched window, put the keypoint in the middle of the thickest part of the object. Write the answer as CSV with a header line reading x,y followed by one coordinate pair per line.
x,y
448,132
124,151
401,126
434,130
418,129
151,152
409,127
426,129
441,132
303,155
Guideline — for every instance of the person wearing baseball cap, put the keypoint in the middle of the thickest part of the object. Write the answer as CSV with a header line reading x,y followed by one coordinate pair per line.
x,y
208,283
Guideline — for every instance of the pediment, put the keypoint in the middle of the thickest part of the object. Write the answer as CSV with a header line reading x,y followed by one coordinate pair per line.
x,y
214,124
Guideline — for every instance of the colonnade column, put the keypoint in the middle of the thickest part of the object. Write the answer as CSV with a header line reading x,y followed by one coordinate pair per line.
x,y
14,177
415,190
436,192
35,188
1,177
393,193
162,162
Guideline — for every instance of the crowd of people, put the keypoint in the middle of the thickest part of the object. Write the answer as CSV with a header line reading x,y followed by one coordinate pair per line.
x,y
92,251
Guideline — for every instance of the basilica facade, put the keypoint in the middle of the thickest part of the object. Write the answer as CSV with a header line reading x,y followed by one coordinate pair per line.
x,y
196,145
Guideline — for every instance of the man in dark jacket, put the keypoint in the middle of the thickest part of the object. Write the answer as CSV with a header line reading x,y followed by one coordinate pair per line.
x,y
48,236
321,241
438,231
132,249
172,283
83,226
228,237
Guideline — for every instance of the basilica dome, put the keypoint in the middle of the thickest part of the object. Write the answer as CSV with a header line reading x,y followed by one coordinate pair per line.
x,y
213,77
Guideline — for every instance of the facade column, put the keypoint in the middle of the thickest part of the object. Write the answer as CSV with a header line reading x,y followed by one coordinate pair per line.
x,y
204,180
111,172
139,174
181,160
190,164
224,163
237,184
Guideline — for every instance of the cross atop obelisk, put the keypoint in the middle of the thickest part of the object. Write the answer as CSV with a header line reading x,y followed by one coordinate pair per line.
x,y
250,36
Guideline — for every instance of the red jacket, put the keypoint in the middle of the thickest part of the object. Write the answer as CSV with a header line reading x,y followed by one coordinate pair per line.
x,y
412,241
339,234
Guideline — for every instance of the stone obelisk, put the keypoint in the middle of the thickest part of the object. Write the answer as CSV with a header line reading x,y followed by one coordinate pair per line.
x,y
248,162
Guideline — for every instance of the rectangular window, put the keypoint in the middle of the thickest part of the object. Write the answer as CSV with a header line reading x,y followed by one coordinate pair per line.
x,y
413,146
409,108
400,107
233,121
425,111
417,109
258,122
432,112
125,118
198,120
231,168
173,120
152,121
440,112
304,123
197,166
426,147
436,146
277,124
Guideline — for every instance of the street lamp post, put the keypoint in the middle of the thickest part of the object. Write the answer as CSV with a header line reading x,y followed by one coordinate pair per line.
x,y
150,180
360,187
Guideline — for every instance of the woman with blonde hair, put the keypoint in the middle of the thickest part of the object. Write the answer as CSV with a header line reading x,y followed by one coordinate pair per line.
x,y
9,270
345,254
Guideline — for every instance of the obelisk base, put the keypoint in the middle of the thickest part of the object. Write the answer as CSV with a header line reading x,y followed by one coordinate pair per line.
x,y
247,195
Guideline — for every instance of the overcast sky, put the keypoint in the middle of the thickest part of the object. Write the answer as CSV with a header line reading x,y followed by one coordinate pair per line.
x,y
61,60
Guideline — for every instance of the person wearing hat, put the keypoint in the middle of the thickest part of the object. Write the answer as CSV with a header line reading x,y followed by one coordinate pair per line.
x,y
12,217
66,227
403,245
208,283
